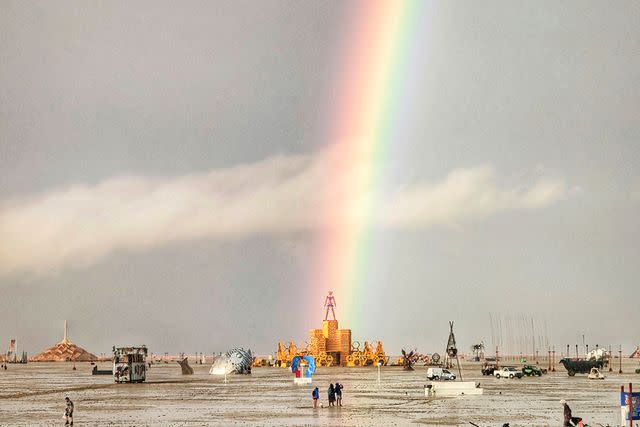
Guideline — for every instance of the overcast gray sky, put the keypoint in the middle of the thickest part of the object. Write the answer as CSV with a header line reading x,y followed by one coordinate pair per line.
x,y
160,166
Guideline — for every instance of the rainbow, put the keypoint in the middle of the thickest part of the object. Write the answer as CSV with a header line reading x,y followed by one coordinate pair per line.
x,y
372,69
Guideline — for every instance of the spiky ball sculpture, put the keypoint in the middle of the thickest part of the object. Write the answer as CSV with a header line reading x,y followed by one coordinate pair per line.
x,y
407,360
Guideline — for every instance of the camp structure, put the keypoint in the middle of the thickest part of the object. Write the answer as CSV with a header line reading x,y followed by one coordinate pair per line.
x,y
65,351
12,354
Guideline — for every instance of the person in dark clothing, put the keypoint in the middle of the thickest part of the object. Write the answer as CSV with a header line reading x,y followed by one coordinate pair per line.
x,y
315,395
68,412
570,420
332,395
338,388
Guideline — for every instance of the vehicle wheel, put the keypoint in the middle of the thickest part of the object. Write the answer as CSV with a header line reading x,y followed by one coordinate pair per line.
x,y
511,376
571,373
436,378
539,374
497,375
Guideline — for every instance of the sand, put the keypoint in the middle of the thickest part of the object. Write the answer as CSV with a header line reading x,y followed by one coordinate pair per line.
x,y
34,394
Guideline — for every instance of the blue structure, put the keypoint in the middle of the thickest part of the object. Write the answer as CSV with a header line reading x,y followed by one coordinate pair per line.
x,y
311,368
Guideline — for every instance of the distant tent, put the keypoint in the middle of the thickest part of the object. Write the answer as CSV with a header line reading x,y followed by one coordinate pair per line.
x,y
636,353
65,351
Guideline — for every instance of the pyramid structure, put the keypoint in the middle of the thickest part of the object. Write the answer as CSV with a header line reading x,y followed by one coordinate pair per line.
x,y
64,351
636,353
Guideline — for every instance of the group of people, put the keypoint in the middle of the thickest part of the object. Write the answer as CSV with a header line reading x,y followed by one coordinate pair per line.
x,y
334,394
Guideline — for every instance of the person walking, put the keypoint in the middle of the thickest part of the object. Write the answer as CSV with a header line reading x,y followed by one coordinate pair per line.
x,y
332,395
569,419
68,412
338,387
315,395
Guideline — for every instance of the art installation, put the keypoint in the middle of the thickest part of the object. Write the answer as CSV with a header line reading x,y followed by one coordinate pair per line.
x,y
303,367
407,360
184,365
65,351
332,346
235,361
329,304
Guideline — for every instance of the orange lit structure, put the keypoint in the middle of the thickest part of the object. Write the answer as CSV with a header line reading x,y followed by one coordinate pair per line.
x,y
333,346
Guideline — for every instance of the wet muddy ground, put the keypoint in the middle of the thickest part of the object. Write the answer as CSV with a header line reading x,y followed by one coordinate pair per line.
x,y
34,394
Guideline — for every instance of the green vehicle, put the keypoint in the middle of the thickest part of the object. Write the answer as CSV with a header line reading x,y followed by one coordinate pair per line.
x,y
532,371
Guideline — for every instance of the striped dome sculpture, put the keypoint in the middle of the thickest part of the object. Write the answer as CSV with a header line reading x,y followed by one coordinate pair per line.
x,y
234,361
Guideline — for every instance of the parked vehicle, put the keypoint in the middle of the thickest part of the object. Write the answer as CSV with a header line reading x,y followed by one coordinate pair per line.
x,y
488,369
508,372
595,374
580,366
440,374
530,371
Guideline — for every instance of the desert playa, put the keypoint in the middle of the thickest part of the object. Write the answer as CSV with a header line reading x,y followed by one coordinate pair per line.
x,y
33,394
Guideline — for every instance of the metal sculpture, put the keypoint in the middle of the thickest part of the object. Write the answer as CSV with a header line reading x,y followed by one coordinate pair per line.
x,y
407,360
452,350
330,303
234,361
184,365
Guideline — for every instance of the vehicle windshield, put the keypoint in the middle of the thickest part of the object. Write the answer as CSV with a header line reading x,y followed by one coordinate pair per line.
x,y
444,371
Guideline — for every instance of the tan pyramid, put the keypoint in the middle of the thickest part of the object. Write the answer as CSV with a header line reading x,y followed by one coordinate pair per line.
x,y
64,351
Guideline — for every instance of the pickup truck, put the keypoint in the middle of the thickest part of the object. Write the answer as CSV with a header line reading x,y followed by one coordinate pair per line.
x,y
508,372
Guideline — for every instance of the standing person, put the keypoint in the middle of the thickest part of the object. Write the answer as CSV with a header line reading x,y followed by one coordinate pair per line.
x,y
570,420
338,387
315,395
68,412
332,395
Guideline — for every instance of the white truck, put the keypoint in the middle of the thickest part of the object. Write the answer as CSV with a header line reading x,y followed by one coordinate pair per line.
x,y
440,374
507,372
